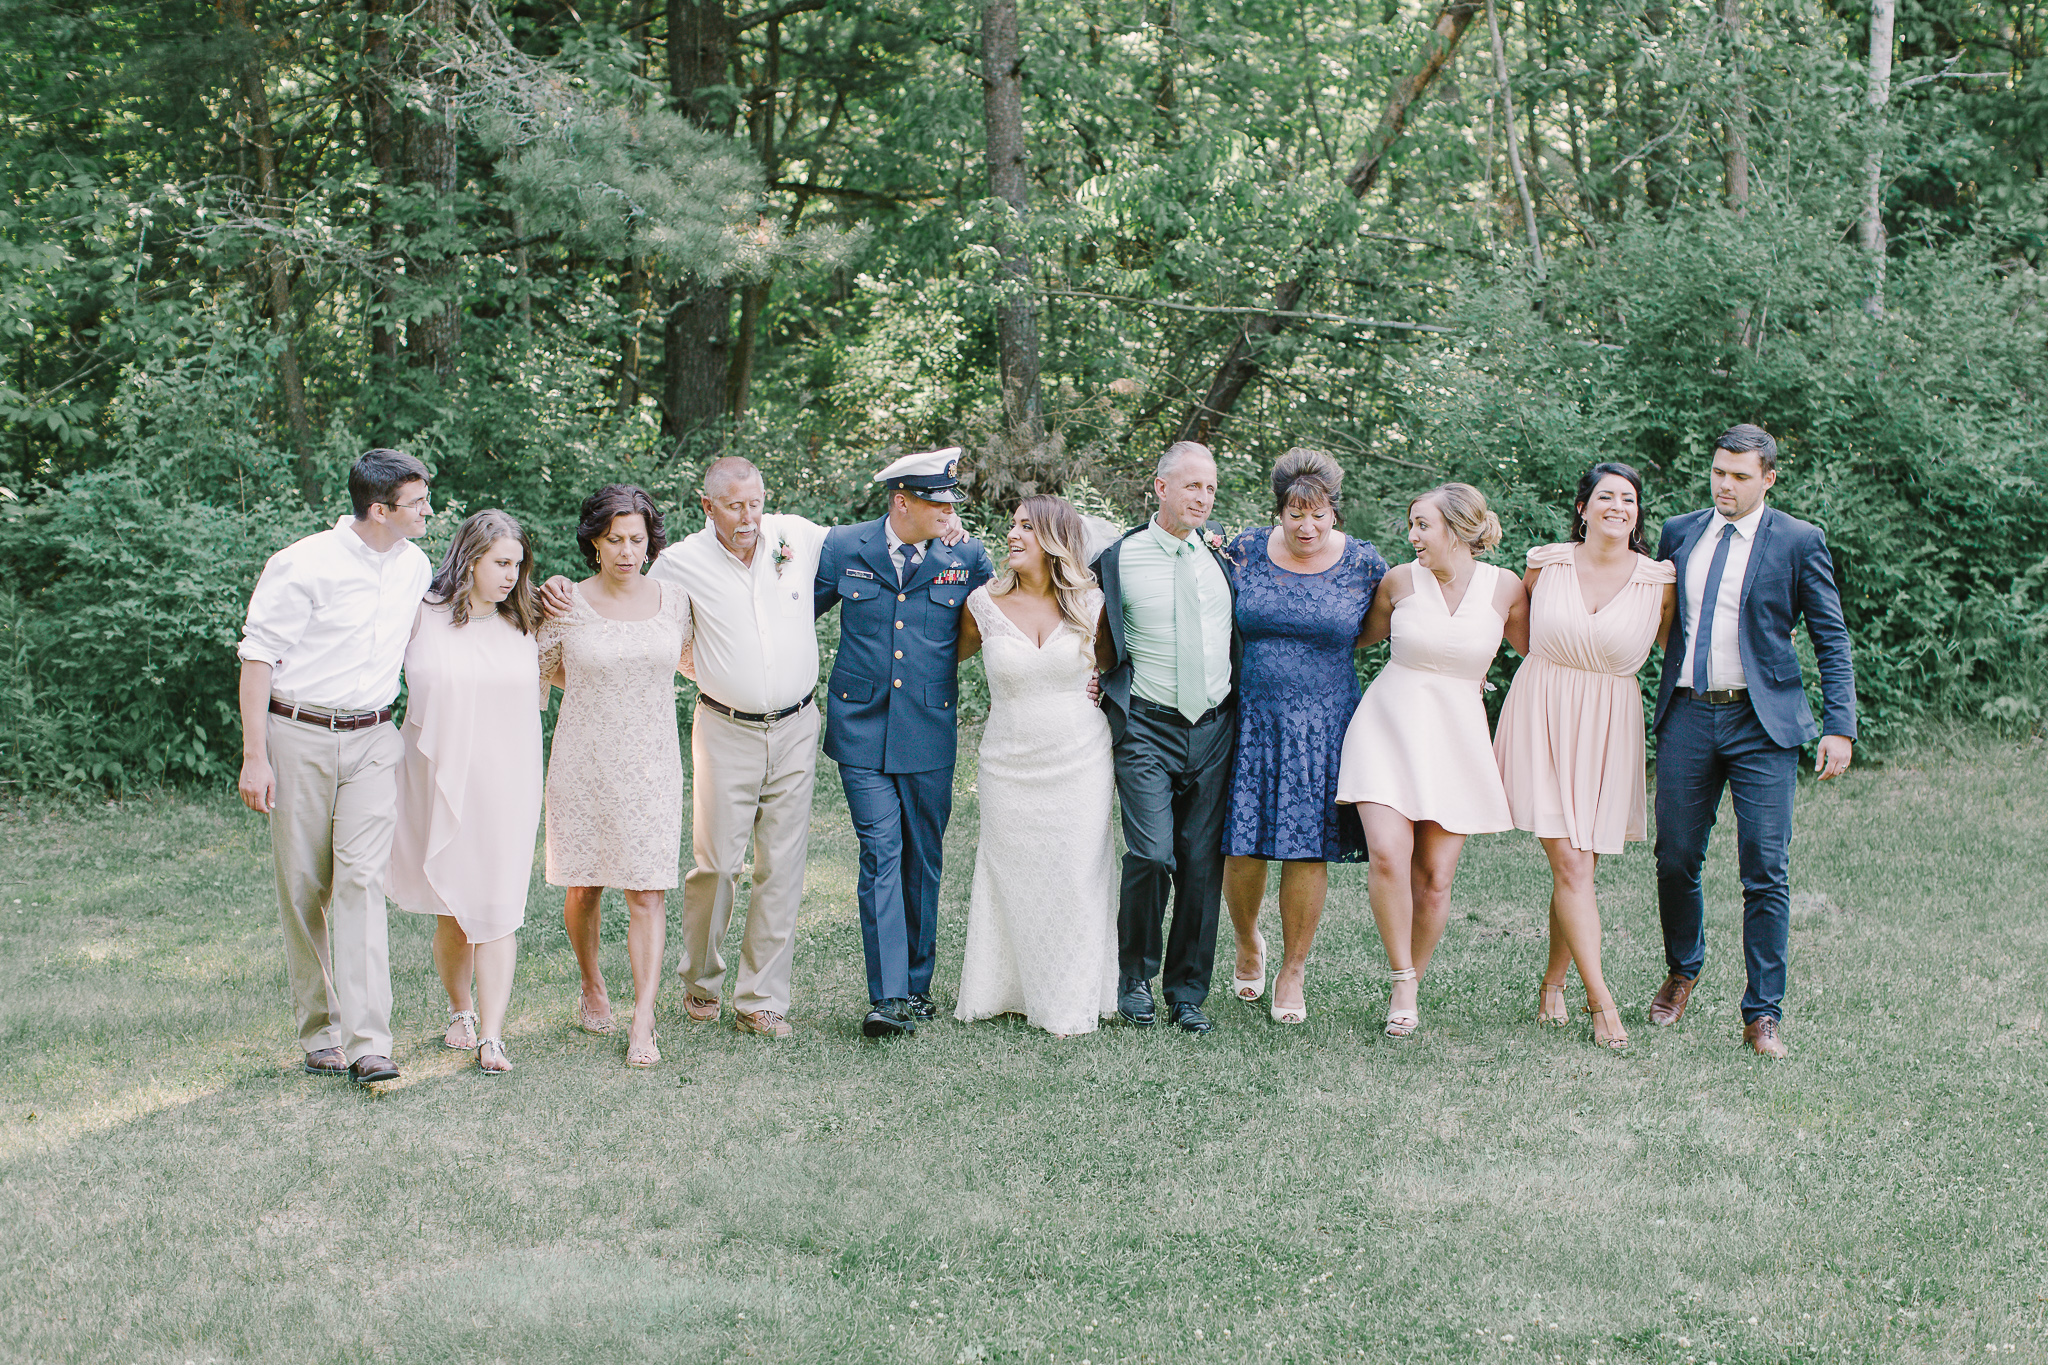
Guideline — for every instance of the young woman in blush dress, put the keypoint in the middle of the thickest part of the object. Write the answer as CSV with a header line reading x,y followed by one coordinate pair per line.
x,y
1041,925
1570,743
469,784
1417,761
615,773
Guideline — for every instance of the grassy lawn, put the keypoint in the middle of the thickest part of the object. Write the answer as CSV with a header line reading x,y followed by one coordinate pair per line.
x,y
172,1188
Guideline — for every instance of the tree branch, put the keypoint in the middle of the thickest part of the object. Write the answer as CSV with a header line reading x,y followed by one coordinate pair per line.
x,y
1250,312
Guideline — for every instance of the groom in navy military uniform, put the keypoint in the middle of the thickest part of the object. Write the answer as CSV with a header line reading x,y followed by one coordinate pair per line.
x,y
891,711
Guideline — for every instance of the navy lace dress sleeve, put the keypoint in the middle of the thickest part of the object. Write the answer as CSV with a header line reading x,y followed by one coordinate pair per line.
x,y
1296,697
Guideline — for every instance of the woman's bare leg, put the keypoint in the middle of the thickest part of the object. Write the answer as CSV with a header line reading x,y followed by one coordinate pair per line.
x,y
1244,891
1576,911
1390,838
1303,888
646,941
495,963
581,917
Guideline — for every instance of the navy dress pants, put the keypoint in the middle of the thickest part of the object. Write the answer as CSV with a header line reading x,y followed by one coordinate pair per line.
x,y
900,820
1173,780
1701,749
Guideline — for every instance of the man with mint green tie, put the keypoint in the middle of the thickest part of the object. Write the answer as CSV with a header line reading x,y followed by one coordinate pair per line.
x,y
1168,649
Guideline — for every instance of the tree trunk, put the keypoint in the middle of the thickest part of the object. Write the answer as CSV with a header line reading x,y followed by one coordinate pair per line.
x,y
1881,17
382,147
432,342
637,300
1507,110
1735,160
1241,366
1002,84
273,267
696,352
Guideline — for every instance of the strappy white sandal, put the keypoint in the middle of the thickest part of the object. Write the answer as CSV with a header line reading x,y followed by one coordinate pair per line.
x,y
1250,988
490,1057
467,1019
1401,1023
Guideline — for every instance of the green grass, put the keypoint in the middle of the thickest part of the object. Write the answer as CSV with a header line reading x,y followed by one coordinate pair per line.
x,y
172,1188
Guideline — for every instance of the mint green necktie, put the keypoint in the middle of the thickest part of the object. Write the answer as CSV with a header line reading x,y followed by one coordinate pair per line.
x,y
1191,665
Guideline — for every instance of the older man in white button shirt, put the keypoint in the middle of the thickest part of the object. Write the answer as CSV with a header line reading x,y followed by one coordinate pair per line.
x,y
321,652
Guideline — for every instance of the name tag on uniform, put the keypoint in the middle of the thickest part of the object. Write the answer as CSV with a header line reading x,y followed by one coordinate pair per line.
x,y
952,576
856,573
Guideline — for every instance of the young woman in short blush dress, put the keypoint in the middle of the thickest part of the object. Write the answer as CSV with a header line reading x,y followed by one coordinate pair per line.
x,y
1417,760
1570,743
469,784
615,773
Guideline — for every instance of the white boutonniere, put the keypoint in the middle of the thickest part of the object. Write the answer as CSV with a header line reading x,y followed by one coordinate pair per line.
x,y
784,552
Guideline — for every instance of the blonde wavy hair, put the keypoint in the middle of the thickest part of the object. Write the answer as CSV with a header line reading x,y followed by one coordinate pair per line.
x,y
1061,539
1465,514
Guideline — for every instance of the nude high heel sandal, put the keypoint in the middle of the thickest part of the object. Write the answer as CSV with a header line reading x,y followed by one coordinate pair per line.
x,y
1546,1013
1614,1039
1401,1023
1250,988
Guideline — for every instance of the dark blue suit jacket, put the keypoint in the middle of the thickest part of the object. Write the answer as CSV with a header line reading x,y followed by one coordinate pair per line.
x,y
1113,654
1790,575
892,702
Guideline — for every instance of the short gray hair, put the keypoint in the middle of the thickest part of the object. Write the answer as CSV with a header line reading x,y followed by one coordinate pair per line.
x,y
1178,451
730,469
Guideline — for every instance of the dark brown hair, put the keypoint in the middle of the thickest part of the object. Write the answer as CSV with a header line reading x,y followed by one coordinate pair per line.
x,y
378,475
617,500
473,540
1742,438
1589,481
1310,478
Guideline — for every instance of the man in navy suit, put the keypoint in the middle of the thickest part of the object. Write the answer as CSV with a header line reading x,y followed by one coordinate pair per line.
x,y
1732,711
891,711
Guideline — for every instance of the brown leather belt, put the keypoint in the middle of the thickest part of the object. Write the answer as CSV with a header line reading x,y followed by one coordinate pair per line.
x,y
329,720
753,717
1727,696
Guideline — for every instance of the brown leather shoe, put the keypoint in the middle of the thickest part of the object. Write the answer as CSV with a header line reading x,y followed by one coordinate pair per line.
x,y
701,1011
1760,1035
767,1023
327,1061
1667,1006
364,1070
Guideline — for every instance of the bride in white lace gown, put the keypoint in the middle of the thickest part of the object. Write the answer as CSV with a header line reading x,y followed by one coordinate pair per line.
x,y
1041,928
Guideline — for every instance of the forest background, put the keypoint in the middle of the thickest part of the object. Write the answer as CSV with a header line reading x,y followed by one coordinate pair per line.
x,y
545,246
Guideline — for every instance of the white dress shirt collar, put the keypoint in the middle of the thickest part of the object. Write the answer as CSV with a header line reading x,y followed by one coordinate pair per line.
x,y
1745,526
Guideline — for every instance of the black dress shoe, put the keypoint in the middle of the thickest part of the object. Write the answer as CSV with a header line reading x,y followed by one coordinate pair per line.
x,y
363,1070
922,1007
1188,1018
888,1019
1134,1001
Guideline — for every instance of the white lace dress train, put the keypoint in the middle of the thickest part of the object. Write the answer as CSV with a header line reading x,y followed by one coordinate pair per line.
x,y
1041,927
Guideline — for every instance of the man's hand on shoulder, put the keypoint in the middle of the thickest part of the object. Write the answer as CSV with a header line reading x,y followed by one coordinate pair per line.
x,y
1832,758
557,596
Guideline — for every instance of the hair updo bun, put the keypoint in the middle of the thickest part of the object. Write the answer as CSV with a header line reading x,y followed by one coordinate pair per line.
x,y
1465,512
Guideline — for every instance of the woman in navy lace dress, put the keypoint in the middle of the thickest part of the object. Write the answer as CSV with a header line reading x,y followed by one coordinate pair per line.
x,y
1303,587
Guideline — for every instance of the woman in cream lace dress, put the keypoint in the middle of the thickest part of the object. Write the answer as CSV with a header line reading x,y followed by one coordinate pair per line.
x,y
1041,926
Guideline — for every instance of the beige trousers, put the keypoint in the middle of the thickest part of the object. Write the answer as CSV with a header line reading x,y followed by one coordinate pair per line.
x,y
751,783
330,837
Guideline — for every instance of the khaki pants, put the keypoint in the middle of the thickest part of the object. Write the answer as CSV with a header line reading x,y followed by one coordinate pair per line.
x,y
751,783
330,836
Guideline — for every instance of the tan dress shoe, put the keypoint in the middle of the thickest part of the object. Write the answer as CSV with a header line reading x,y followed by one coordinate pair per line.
x,y
700,1010
1761,1035
1667,1006
767,1023
327,1061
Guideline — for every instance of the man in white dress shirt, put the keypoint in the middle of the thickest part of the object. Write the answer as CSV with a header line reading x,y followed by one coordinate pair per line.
x,y
753,739
321,652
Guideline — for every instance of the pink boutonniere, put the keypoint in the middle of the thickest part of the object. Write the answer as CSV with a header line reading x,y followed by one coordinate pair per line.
x,y
784,552
1214,539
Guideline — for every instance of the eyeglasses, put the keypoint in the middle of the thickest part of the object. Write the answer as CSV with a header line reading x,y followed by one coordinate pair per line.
x,y
418,504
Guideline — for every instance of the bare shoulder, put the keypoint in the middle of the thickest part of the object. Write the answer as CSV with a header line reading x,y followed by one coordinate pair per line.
x,y
1399,582
1507,590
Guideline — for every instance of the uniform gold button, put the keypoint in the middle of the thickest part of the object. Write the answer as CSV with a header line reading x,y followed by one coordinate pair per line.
x,y
899,653
899,625
899,682
949,601
899,597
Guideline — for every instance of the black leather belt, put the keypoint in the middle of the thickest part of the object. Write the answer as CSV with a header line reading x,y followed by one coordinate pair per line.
x,y
1172,713
329,720
753,717
1727,696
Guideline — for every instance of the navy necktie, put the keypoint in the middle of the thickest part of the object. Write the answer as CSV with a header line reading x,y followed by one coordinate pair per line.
x,y
904,551
1703,642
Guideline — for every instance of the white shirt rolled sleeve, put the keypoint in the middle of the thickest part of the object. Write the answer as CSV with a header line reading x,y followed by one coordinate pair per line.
x,y
755,641
331,616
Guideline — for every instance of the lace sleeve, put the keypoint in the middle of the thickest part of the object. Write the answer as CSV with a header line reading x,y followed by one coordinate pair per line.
x,y
981,607
549,639
1544,556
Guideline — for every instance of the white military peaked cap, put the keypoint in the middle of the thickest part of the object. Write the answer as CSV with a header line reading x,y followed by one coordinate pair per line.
x,y
933,475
